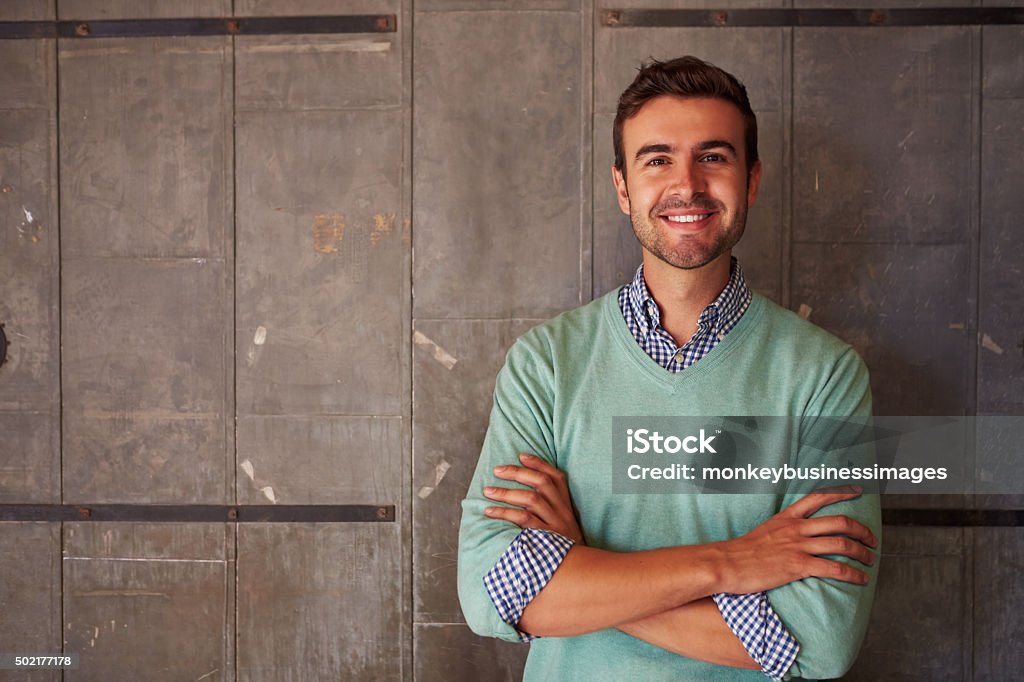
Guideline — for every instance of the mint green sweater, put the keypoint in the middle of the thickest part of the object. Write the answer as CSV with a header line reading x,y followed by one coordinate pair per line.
x,y
562,383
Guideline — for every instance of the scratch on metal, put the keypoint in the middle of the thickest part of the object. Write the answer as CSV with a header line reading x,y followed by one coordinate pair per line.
x,y
440,354
988,344
439,473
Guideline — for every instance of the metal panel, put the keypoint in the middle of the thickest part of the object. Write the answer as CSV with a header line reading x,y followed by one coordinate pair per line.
x,y
919,626
689,4
29,380
497,185
868,295
454,366
756,56
445,652
146,147
27,10
29,457
319,602
1003,59
133,9
147,600
28,259
257,8
319,460
880,4
616,250
998,557
508,5
147,379
321,243
30,594
874,159
27,78
760,250
1001,294
272,72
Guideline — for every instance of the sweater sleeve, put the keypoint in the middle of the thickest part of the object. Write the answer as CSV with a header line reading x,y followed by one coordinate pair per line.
x,y
829,617
521,421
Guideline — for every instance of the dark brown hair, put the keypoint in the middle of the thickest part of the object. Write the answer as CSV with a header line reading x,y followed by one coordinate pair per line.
x,y
683,77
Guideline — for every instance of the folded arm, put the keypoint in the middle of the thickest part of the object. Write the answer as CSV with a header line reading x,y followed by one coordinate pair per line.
x,y
598,587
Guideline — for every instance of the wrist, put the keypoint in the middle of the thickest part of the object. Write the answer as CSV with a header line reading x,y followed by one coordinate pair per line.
x,y
706,571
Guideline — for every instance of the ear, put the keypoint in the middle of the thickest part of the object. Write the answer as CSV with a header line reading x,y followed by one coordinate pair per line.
x,y
621,191
753,183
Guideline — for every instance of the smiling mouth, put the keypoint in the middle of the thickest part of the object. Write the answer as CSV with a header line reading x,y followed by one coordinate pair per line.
x,y
687,218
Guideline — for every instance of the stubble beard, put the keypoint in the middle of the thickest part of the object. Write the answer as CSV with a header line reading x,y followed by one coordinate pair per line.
x,y
688,252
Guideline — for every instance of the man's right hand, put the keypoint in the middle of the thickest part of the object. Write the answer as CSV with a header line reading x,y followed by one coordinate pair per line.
x,y
790,546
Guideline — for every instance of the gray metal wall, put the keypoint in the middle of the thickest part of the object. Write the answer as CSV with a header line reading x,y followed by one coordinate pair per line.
x,y
285,269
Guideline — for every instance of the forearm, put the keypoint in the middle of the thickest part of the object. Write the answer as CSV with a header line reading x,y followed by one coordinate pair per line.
x,y
695,630
602,589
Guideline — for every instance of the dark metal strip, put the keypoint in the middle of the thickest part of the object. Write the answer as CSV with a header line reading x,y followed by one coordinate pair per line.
x,y
932,16
199,513
315,513
982,518
152,28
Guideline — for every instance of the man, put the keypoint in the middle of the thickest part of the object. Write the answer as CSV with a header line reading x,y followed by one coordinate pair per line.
x,y
673,587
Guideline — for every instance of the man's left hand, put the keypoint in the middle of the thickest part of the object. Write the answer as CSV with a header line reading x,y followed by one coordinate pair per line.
x,y
548,506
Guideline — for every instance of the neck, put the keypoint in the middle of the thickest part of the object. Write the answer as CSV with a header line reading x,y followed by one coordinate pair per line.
x,y
682,295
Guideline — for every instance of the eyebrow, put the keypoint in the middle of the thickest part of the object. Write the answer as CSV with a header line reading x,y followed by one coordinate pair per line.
x,y
716,144
661,148
653,149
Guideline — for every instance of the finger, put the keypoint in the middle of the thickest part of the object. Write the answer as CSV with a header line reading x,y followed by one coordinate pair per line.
x,y
841,546
520,517
826,568
535,479
542,465
556,475
839,525
808,505
530,500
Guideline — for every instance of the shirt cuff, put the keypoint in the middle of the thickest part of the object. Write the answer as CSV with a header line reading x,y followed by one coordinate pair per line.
x,y
523,571
753,620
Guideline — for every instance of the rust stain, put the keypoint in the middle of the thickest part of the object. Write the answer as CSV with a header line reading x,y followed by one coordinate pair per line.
x,y
407,231
382,225
328,230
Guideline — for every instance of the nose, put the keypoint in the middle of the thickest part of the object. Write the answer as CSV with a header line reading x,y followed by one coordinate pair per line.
x,y
687,182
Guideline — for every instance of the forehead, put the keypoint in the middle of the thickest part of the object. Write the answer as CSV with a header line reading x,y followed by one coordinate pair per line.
x,y
683,122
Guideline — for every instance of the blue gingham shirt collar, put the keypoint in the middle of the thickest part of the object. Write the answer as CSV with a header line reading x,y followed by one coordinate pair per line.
x,y
716,320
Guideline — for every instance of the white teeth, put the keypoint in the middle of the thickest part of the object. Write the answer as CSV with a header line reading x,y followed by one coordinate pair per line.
x,y
687,218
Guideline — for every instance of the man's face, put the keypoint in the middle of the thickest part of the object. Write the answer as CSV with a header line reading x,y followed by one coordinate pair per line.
x,y
686,189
